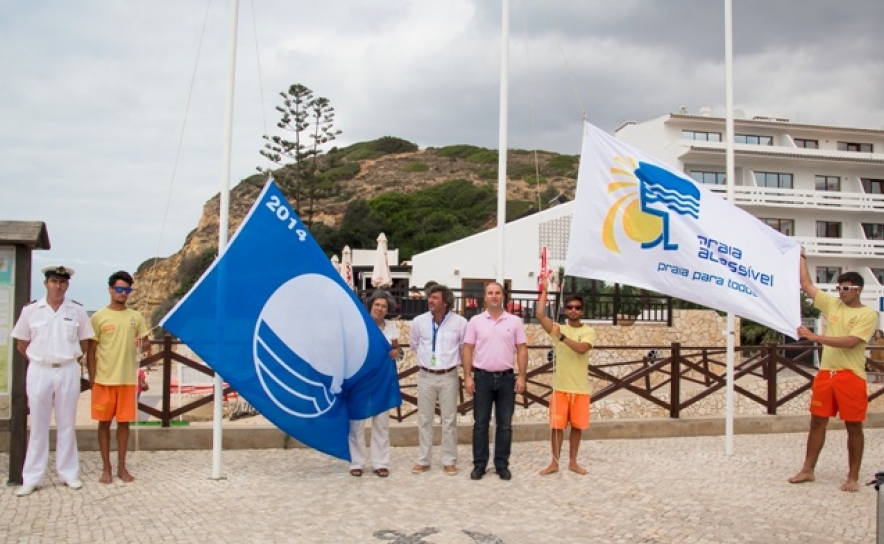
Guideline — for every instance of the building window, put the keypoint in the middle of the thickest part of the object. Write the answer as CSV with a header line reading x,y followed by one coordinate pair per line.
x,y
807,144
874,231
709,178
828,229
753,139
879,274
828,183
701,136
855,147
873,186
785,226
827,274
773,179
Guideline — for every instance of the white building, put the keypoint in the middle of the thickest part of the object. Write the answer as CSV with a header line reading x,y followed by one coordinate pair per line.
x,y
824,185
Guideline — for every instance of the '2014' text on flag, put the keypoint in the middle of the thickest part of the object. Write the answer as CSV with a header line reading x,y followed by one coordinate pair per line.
x,y
275,319
641,223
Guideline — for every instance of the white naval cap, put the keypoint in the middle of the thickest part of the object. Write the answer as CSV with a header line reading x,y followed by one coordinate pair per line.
x,y
57,270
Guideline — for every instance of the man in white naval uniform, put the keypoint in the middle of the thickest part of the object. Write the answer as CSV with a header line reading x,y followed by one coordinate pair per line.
x,y
52,333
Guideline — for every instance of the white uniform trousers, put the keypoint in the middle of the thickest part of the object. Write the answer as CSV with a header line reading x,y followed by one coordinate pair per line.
x,y
380,442
52,388
445,389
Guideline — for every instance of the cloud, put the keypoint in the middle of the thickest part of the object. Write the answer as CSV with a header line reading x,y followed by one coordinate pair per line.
x,y
98,96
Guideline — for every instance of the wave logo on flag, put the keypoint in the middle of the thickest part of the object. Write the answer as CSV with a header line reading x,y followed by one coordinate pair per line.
x,y
275,319
298,372
651,193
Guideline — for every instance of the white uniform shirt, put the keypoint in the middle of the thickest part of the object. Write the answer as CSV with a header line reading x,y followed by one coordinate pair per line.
x,y
54,336
449,340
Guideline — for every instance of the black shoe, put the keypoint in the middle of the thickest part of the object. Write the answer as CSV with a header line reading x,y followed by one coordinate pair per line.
x,y
477,473
504,473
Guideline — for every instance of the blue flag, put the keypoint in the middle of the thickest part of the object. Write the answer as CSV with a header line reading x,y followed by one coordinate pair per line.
x,y
275,319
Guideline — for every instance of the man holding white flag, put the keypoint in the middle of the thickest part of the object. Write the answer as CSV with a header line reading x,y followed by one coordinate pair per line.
x,y
840,385
641,223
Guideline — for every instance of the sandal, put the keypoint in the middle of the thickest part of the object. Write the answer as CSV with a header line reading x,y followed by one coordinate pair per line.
x,y
356,472
382,472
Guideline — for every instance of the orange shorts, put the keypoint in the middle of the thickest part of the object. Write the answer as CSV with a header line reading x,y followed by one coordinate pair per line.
x,y
839,392
570,408
114,401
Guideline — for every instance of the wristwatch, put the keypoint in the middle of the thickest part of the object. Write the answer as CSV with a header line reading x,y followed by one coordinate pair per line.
x,y
561,338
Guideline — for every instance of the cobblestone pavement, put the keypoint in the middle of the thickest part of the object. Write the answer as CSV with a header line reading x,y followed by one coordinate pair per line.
x,y
649,490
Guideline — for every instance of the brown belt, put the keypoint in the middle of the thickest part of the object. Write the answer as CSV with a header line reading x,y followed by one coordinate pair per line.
x,y
431,371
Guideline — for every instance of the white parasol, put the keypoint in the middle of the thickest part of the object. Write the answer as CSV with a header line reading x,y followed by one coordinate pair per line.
x,y
347,267
381,277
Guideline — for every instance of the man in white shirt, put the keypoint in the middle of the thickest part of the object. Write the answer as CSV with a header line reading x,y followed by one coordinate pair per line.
x,y
52,333
437,340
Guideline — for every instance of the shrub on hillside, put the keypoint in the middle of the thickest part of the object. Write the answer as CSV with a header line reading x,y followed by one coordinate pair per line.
x,y
414,167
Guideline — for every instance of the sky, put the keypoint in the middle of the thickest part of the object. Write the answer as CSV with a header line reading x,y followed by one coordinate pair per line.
x,y
112,113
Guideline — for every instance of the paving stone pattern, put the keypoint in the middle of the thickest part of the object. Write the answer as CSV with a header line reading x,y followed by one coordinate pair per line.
x,y
682,490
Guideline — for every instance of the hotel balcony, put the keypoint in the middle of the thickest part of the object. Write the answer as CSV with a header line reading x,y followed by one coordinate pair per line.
x,y
803,199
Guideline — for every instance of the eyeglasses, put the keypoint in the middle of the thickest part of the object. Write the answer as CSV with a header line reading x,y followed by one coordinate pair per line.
x,y
846,288
126,290
573,307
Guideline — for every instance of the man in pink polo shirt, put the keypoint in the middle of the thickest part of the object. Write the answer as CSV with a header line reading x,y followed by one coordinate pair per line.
x,y
494,340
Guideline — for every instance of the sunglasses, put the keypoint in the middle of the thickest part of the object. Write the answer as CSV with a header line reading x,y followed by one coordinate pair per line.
x,y
847,288
126,290
573,307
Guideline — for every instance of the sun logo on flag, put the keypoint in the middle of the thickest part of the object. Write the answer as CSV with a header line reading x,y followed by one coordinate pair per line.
x,y
650,193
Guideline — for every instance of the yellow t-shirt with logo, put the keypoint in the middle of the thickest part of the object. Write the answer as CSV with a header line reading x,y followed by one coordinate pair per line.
x,y
116,354
842,320
571,367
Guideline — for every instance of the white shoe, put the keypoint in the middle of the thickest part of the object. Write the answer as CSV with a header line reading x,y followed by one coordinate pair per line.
x,y
25,490
74,484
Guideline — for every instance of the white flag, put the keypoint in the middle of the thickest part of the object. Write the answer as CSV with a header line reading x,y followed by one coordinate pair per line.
x,y
641,223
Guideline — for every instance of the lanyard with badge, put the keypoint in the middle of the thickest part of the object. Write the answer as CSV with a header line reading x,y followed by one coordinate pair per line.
x,y
435,333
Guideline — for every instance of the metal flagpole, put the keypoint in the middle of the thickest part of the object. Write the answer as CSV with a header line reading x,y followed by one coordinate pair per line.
x,y
502,128
729,177
218,413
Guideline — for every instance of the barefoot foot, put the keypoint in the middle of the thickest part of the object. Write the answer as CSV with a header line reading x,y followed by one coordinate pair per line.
x,y
802,477
574,467
125,476
106,477
851,486
551,469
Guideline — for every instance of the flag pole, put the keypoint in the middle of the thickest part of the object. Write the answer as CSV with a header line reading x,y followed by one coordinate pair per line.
x,y
502,142
218,412
729,178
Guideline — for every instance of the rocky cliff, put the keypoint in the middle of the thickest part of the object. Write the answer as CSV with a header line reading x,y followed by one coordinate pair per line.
x,y
405,172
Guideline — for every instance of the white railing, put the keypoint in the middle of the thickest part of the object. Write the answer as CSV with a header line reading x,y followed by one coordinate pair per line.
x,y
798,198
842,247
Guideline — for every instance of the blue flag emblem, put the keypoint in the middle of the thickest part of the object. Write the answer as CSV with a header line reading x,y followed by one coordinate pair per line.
x,y
275,319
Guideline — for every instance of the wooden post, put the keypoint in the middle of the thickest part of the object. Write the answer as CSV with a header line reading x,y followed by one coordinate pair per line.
x,y
167,380
771,370
675,391
18,416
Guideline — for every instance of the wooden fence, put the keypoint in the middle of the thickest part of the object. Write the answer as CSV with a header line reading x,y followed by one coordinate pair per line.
x,y
659,380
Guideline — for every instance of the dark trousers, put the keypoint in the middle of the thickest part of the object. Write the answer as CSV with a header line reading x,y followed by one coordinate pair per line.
x,y
497,389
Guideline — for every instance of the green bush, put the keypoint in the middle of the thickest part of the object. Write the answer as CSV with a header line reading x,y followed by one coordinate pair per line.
x,y
488,173
416,167
459,151
390,144
347,170
363,154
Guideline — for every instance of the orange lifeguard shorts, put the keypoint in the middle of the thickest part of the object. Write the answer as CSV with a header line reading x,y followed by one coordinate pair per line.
x,y
114,401
839,392
565,408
